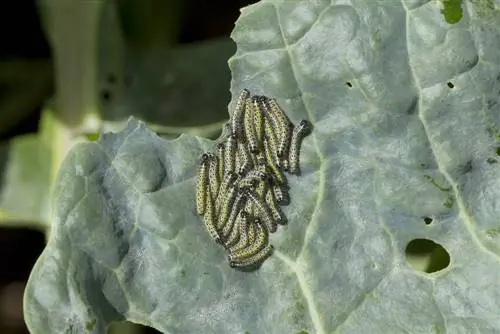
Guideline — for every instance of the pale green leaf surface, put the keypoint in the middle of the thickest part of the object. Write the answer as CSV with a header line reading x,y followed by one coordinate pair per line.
x,y
396,145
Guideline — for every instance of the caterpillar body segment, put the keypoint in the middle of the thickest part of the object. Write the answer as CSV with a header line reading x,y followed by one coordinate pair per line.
x,y
238,116
202,185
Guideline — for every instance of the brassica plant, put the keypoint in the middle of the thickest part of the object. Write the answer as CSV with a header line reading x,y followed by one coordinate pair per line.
x,y
404,98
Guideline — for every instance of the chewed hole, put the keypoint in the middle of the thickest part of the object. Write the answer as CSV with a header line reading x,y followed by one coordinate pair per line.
x,y
451,85
426,256
427,220
498,151
348,84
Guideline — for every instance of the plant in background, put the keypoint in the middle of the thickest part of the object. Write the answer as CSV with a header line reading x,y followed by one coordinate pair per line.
x,y
399,176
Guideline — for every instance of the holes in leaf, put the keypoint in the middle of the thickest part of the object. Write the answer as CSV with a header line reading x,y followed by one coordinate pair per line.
x,y
491,161
427,220
451,85
348,84
467,167
498,151
412,108
490,104
426,256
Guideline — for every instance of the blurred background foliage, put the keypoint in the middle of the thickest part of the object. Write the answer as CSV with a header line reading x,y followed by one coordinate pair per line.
x,y
70,70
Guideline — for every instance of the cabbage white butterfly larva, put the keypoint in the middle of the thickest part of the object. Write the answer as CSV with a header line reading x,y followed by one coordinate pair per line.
x,y
226,205
221,156
252,249
227,181
270,117
271,161
299,132
250,134
245,161
278,215
242,225
202,185
262,208
213,174
252,178
235,234
239,114
284,128
258,119
230,154
281,194
233,215
258,258
209,219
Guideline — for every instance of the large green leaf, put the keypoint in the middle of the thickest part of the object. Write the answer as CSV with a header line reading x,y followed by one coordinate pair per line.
x,y
406,115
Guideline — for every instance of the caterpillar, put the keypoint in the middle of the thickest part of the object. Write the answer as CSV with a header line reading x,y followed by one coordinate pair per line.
x,y
220,156
250,134
252,249
242,227
278,215
271,118
209,219
272,143
258,258
299,132
261,206
284,128
245,161
281,194
230,154
202,185
271,161
238,232
239,114
213,174
228,180
226,205
252,178
234,211
258,119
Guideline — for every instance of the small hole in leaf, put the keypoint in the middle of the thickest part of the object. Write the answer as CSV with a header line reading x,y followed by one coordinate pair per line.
x,y
467,167
450,84
426,256
498,151
491,161
427,220
490,104
348,84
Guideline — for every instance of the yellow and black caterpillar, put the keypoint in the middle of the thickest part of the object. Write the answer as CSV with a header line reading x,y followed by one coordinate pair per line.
x,y
240,188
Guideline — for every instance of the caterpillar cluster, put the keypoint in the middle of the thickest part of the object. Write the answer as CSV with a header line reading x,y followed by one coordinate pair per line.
x,y
240,187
